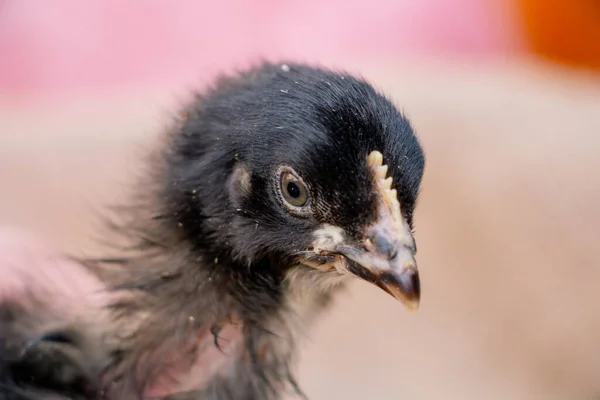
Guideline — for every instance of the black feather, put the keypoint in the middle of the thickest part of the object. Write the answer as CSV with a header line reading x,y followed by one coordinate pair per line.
x,y
41,363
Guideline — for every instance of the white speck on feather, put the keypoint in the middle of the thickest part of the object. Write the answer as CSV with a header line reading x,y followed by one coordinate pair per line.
x,y
327,237
284,91
285,68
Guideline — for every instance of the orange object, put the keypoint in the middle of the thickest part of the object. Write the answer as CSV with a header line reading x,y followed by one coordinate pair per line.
x,y
567,31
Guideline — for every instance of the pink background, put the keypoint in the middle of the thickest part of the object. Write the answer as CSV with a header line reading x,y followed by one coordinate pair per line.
x,y
56,47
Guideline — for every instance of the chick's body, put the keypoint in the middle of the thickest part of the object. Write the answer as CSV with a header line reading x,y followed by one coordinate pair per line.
x,y
274,187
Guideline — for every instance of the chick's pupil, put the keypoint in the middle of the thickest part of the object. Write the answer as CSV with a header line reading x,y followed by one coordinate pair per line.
x,y
293,190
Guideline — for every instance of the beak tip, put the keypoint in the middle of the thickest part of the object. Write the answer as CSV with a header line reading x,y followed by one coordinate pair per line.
x,y
405,287
412,305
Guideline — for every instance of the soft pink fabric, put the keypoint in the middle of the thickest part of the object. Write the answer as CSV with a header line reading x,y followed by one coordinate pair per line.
x,y
57,46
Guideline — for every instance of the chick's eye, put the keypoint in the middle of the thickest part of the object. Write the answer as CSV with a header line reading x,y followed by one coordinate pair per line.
x,y
293,190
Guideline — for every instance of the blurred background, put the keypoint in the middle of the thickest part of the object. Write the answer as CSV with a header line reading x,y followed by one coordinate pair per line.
x,y
504,94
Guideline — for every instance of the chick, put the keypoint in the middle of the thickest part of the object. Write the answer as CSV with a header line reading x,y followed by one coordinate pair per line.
x,y
275,187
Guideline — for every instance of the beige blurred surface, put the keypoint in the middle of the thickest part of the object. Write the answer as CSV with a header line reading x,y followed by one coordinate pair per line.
x,y
507,229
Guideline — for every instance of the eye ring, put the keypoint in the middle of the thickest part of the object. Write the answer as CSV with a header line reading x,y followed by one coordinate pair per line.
x,y
293,191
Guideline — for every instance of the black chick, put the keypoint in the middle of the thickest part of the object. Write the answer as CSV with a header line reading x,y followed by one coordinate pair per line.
x,y
274,187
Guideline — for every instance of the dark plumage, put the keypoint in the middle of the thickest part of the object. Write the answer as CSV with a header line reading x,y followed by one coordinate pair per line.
x,y
267,194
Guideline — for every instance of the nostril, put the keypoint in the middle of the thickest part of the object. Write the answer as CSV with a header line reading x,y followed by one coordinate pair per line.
x,y
383,246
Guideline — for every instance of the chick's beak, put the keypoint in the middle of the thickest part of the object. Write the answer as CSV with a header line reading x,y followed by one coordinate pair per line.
x,y
386,256
386,259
